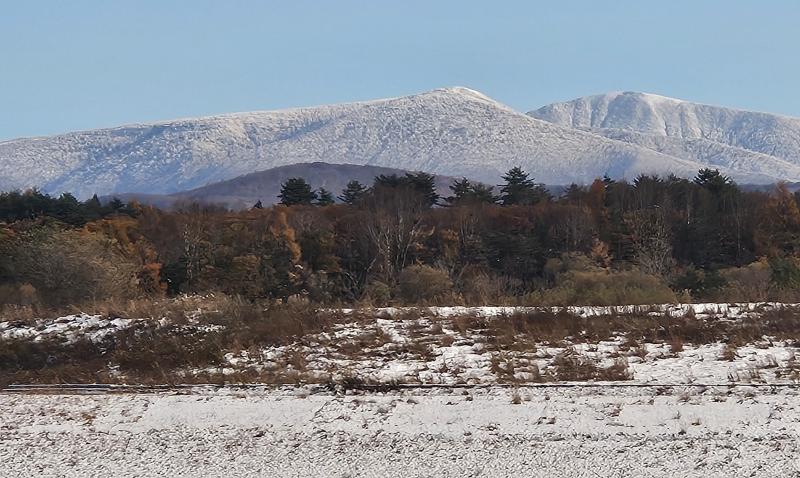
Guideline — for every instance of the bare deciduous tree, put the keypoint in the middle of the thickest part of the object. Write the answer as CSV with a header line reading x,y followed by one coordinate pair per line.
x,y
393,225
652,241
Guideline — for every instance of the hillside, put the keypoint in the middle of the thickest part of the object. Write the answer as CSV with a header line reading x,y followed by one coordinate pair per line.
x,y
244,191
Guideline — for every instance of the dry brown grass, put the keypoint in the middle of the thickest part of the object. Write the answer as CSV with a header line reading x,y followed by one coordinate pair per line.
x,y
728,353
573,367
502,366
162,354
150,352
676,345
469,323
791,370
557,327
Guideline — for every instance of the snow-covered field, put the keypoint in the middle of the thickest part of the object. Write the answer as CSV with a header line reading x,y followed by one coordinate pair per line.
x,y
440,392
538,432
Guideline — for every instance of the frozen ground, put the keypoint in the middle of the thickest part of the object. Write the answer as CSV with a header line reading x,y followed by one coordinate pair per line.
x,y
551,432
463,395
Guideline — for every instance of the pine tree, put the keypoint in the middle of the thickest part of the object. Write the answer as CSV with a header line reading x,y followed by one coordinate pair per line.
x,y
258,205
482,193
353,192
67,208
93,203
389,180
424,184
712,180
421,183
296,191
465,192
573,194
93,209
116,204
520,189
461,189
324,197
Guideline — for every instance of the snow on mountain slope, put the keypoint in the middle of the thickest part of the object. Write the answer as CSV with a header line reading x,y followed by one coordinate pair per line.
x,y
452,131
710,153
713,135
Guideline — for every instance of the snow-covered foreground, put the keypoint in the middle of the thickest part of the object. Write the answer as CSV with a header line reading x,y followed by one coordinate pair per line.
x,y
703,390
548,432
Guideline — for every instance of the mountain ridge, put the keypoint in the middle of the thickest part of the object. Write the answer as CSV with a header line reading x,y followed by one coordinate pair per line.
x,y
775,139
453,131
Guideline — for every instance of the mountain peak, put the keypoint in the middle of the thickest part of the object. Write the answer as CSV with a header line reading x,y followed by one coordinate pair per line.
x,y
462,92
641,96
712,135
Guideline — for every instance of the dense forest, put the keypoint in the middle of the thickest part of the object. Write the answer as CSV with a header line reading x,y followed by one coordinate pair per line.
x,y
397,242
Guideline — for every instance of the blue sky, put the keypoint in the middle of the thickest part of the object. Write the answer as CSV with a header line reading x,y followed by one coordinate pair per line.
x,y
86,64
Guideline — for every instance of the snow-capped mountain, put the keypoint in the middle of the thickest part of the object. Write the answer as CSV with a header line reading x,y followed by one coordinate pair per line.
x,y
452,131
742,141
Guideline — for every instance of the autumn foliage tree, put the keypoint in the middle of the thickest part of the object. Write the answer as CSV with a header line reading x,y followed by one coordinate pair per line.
x,y
607,241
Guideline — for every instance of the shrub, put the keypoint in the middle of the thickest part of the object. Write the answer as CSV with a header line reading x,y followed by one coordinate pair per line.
x,y
419,283
728,353
572,367
160,351
785,272
23,295
378,293
604,288
480,288
700,284
70,266
750,283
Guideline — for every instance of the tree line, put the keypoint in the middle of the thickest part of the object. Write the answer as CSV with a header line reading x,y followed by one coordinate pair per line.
x,y
518,189
653,239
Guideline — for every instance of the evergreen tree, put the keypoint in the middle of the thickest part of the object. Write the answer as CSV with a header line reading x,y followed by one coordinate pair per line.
x,y
461,189
324,197
258,205
93,203
116,205
93,209
482,193
424,184
296,191
420,183
68,209
574,194
31,204
353,192
465,192
713,181
649,191
520,189
389,181
715,234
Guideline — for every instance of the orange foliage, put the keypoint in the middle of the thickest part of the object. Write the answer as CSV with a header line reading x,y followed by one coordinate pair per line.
x,y
123,233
